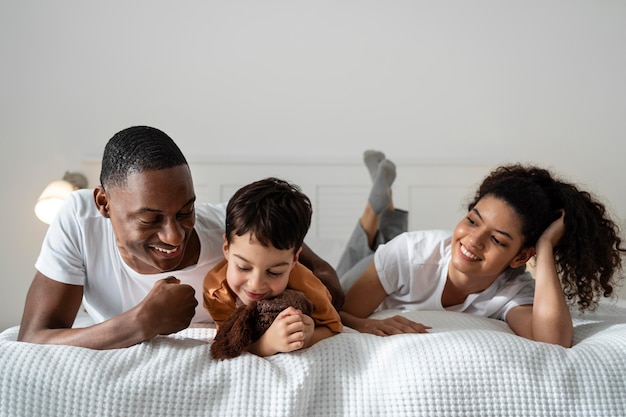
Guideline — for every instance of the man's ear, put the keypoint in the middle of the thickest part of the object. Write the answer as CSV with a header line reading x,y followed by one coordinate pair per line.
x,y
101,200
522,257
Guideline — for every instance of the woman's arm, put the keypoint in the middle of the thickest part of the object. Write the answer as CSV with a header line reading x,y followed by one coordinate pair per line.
x,y
363,298
320,333
548,319
365,294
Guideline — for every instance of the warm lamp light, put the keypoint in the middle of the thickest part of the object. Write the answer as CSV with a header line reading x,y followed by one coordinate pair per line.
x,y
53,195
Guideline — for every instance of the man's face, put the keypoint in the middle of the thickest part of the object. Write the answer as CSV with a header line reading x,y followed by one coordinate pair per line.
x,y
153,218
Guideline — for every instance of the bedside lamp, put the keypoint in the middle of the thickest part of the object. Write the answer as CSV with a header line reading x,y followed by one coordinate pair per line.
x,y
53,195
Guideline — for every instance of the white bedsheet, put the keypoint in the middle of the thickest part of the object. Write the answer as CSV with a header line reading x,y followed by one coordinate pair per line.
x,y
467,366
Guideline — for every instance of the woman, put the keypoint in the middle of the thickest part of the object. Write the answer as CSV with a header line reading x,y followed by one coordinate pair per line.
x,y
518,212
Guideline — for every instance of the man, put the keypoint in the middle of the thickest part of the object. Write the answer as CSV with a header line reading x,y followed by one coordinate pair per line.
x,y
134,251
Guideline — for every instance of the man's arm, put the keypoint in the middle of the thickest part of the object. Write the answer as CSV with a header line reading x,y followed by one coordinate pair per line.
x,y
51,308
326,273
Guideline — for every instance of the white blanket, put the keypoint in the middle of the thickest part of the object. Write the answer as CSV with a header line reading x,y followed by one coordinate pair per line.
x,y
467,366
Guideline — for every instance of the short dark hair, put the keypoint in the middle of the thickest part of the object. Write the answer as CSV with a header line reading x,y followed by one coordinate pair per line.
x,y
274,211
138,149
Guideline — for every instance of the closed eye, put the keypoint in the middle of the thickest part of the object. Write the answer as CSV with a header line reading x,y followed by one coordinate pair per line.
x,y
150,222
185,215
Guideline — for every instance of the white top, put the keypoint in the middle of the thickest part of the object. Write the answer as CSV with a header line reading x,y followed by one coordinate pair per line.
x,y
79,248
413,269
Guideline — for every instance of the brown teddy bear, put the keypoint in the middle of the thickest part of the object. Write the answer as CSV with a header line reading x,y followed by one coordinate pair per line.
x,y
248,323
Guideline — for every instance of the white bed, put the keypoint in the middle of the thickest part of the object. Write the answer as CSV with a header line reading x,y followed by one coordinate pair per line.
x,y
466,366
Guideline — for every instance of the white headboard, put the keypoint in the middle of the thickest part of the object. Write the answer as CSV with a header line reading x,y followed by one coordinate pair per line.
x,y
435,194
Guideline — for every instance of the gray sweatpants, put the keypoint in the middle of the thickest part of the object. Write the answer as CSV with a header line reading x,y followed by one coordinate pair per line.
x,y
357,255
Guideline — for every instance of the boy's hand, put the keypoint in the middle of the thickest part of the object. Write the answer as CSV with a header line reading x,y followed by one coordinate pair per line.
x,y
288,332
309,329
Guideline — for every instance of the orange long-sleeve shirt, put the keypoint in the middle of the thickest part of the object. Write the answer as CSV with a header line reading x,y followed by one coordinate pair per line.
x,y
221,302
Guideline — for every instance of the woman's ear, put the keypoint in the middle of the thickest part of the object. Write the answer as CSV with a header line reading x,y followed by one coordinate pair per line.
x,y
101,200
522,257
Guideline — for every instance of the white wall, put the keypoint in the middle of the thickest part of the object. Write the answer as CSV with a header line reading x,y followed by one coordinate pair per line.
x,y
489,81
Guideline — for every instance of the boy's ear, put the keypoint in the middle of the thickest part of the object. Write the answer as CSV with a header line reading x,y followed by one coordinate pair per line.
x,y
225,245
522,257
297,255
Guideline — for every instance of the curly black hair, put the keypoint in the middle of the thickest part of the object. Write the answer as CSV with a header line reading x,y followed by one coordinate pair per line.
x,y
589,254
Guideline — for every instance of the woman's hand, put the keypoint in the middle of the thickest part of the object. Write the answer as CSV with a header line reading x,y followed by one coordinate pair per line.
x,y
385,327
394,325
553,234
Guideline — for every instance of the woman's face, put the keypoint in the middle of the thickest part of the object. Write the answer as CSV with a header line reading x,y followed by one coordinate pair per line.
x,y
485,243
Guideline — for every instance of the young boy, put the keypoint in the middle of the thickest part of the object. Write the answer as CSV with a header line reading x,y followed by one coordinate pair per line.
x,y
266,222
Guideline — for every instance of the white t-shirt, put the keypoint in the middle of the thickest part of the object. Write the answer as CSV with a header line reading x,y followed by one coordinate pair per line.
x,y
79,248
413,268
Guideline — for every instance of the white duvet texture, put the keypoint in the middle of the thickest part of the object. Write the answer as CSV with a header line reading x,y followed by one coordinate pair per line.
x,y
466,366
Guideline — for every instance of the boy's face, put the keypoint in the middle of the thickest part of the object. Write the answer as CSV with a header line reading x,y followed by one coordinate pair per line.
x,y
256,272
